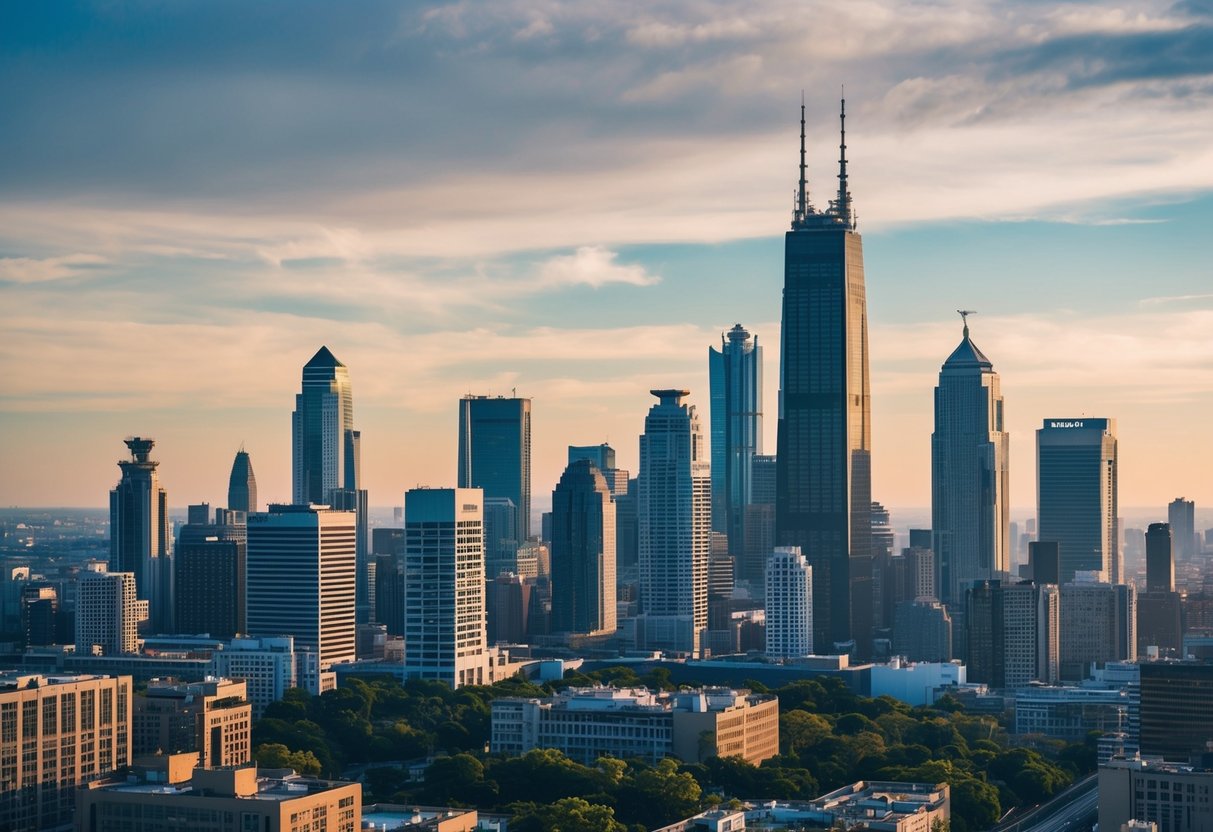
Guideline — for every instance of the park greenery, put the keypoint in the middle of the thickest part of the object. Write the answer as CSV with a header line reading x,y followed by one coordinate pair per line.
x,y
372,728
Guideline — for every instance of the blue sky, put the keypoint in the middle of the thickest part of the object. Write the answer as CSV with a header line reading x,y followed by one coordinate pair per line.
x,y
574,200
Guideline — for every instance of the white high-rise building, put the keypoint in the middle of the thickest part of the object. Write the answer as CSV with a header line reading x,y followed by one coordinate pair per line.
x,y
108,613
970,493
789,604
444,624
300,578
675,524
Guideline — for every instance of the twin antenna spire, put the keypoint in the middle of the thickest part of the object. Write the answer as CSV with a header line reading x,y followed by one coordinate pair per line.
x,y
840,208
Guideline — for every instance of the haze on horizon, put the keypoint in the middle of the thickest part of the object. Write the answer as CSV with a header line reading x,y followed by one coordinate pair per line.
x,y
575,201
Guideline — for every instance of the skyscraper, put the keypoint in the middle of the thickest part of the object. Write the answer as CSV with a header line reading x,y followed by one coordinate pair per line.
x,y
1181,515
583,552
674,517
140,536
1098,624
444,620
1076,495
209,575
735,373
495,452
789,605
1012,633
241,484
970,493
824,464
1160,567
300,578
327,452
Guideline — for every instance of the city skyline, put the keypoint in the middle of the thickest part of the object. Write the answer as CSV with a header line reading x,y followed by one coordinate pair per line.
x,y
434,266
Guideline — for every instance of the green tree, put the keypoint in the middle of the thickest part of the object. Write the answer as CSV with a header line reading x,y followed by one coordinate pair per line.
x,y
799,730
658,796
455,781
569,814
277,755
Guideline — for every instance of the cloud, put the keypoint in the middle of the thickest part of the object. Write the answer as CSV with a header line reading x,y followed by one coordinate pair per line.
x,y
592,266
1175,299
33,270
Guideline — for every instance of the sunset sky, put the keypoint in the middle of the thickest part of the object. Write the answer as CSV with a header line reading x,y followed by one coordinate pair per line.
x,y
574,200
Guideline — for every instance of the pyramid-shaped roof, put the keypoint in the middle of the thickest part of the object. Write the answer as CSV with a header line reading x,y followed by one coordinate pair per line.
x,y
967,355
324,358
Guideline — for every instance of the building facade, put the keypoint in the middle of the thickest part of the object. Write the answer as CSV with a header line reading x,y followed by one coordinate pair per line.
x,y
140,533
583,552
674,516
1012,634
789,605
587,723
1170,797
1181,517
1176,701
326,453
1076,495
970,488
444,620
495,452
108,613
266,665
218,800
56,733
209,575
212,718
735,376
1098,625
301,565
824,449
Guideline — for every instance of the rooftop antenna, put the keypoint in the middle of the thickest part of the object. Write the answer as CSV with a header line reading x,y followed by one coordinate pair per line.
x,y
964,316
802,196
844,197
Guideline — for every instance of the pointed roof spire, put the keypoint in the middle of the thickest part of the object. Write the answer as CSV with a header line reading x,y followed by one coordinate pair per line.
x,y
802,195
964,316
967,355
843,205
324,358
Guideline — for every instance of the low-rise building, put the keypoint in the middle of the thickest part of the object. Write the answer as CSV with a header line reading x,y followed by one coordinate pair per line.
x,y
212,718
885,806
916,683
1178,797
1069,713
586,723
229,799
57,732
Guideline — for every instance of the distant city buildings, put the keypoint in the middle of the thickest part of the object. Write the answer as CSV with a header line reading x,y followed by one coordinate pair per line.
x,y
824,454
970,490
1181,516
301,564
922,631
444,620
735,375
495,452
1012,633
140,536
675,524
1077,495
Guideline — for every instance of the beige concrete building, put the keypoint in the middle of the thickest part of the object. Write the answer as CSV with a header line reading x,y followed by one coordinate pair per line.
x,y
586,723
213,718
1176,797
169,793
57,732
108,613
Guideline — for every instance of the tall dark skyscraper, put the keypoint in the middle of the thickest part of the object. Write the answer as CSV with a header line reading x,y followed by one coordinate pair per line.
x,y
1076,495
970,490
583,552
495,452
735,373
209,574
1160,564
327,454
242,485
140,539
824,453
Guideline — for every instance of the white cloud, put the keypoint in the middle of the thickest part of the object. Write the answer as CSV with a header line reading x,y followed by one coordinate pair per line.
x,y
32,270
592,266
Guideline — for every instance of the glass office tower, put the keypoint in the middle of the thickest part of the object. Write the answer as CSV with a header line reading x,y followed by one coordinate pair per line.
x,y
1076,495
495,452
823,458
